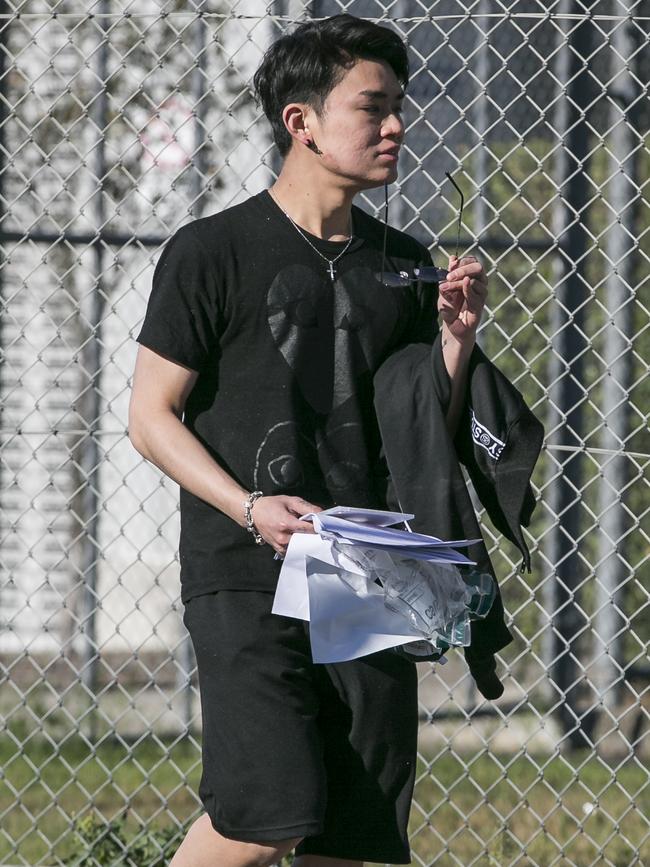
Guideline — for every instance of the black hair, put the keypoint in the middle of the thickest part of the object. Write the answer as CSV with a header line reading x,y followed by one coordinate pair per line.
x,y
305,65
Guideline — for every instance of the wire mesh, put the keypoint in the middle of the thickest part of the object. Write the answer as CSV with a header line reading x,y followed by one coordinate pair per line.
x,y
119,122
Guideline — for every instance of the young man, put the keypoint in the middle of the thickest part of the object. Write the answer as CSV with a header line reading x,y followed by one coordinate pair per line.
x,y
253,390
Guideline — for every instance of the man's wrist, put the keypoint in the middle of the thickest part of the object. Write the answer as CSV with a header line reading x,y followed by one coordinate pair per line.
x,y
249,502
451,344
230,502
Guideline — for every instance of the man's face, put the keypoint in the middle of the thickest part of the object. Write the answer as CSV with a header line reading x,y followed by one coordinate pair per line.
x,y
360,128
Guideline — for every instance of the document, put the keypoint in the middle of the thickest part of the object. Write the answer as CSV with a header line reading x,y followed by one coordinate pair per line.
x,y
358,525
348,581
292,593
344,626
376,517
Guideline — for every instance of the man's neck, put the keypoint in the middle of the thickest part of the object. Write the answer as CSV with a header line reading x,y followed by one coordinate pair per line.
x,y
313,199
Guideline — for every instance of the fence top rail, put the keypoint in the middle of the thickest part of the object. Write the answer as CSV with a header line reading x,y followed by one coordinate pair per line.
x,y
292,19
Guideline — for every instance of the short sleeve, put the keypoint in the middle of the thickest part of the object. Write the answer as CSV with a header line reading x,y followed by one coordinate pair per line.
x,y
423,320
183,319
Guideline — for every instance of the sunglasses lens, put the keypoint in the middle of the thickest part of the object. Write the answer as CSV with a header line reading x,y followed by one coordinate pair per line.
x,y
391,279
431,274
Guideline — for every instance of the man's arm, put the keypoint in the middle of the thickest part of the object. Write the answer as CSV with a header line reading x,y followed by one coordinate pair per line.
x,y
461,301
160,389
456,357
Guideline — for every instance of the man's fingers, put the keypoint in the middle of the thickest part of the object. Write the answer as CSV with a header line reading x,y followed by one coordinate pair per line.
x,y
451,292
450,299
456,275
301,507
474,301
303,527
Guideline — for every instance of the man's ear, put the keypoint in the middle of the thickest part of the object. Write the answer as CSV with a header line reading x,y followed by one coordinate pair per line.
x,y
293,116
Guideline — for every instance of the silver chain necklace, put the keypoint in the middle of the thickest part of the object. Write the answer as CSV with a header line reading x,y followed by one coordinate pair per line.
x,y
330,262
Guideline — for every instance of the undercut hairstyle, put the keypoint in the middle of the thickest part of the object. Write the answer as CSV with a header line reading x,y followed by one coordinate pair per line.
x,y
305,65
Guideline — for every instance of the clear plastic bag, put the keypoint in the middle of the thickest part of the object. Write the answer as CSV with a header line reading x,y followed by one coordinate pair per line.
x,y
438,599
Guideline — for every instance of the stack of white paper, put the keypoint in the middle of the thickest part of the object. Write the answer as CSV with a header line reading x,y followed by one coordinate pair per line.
x,y
372,527
312,586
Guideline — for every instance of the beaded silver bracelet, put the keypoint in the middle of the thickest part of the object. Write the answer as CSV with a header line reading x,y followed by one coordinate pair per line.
x,y
248,512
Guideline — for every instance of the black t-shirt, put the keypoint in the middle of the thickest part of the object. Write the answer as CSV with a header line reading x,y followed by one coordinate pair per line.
x,y
285,357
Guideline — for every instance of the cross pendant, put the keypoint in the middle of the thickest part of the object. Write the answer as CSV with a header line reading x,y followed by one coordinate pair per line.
x,y
332,271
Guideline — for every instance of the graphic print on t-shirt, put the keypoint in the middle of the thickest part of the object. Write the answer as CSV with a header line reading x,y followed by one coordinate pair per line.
x,y
326,332
287,457
329,336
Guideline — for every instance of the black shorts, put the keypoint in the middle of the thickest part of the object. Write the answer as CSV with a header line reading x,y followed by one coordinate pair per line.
x,y
294,749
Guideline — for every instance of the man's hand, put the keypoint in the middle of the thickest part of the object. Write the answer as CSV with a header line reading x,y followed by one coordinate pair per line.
x,y
276,519
462,298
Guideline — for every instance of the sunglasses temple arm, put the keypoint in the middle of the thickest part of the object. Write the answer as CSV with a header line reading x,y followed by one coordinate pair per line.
x,y
460,212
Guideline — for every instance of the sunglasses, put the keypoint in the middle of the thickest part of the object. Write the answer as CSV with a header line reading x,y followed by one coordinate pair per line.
x,y
428,273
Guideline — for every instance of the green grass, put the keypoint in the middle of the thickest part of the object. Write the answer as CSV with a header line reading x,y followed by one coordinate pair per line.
x,y
532,812
57,785
529,810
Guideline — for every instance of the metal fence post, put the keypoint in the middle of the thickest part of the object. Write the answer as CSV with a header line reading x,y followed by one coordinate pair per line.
x,y
91,399
613,570
566,373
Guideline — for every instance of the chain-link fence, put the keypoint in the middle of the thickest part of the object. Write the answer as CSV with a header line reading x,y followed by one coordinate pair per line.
x,y
121,120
